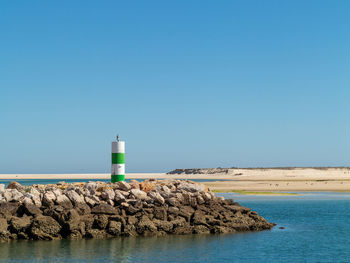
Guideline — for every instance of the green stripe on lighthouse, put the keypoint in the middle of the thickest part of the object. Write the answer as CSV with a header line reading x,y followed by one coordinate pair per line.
x,y
118,158
117,178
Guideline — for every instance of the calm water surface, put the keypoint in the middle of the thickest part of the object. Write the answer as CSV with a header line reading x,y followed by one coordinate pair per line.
x,y
317,229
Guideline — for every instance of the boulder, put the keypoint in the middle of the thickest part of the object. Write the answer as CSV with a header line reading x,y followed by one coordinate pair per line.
x,y
172,201
91,202
206,196
201,229
186,212
15,185
27,200
139,194
134,184
49,198
173,210
108,194
156,197
9,209
124,186
145,226
147,186
104,209
20,224
82,208
200,200
191,187
31,210
114,228
45,228
74,197
12,195
163,225
101,221
64,201
199,218
71,223
3,227
165,189
119,197
35,196
160,213
91,186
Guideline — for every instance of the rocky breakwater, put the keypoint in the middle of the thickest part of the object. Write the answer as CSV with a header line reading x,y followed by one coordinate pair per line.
x,y
103,210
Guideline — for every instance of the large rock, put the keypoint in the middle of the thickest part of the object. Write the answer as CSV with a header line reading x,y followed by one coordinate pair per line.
x,y
146,227
114,228
119,197
134,184
139,194
200,229
124,186
3,227
27,200
31,210
91,186
83,208
104,209
147,186
45,228
8,209
49,198
163,225
101,221
35,195
156,197
13,195
191,187
64,201
108,194
20,224
74,197
90,201
15,185
160,213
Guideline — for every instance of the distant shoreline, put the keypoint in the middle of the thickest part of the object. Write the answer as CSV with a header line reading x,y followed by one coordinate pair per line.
x,y
236,179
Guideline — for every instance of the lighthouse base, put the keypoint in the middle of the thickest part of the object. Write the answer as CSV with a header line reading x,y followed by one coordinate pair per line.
x,y
117,178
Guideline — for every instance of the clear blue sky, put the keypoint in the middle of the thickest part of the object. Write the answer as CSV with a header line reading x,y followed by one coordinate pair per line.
x,y
185,84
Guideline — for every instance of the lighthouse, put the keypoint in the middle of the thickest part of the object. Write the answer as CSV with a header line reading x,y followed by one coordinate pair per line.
x,y
118,161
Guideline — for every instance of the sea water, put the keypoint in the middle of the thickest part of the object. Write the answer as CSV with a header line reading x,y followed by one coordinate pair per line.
x,y
316,229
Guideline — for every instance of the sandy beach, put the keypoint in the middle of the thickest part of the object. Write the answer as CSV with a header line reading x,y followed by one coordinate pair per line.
x,y
259,179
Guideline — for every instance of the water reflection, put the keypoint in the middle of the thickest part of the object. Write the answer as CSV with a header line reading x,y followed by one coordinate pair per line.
x,y
125,250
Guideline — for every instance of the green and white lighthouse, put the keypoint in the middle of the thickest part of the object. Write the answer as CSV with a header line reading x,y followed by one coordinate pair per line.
x,y
118,161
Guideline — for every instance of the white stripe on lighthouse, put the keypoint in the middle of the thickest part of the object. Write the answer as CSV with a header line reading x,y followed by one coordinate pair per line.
x,y
118,147
118,169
